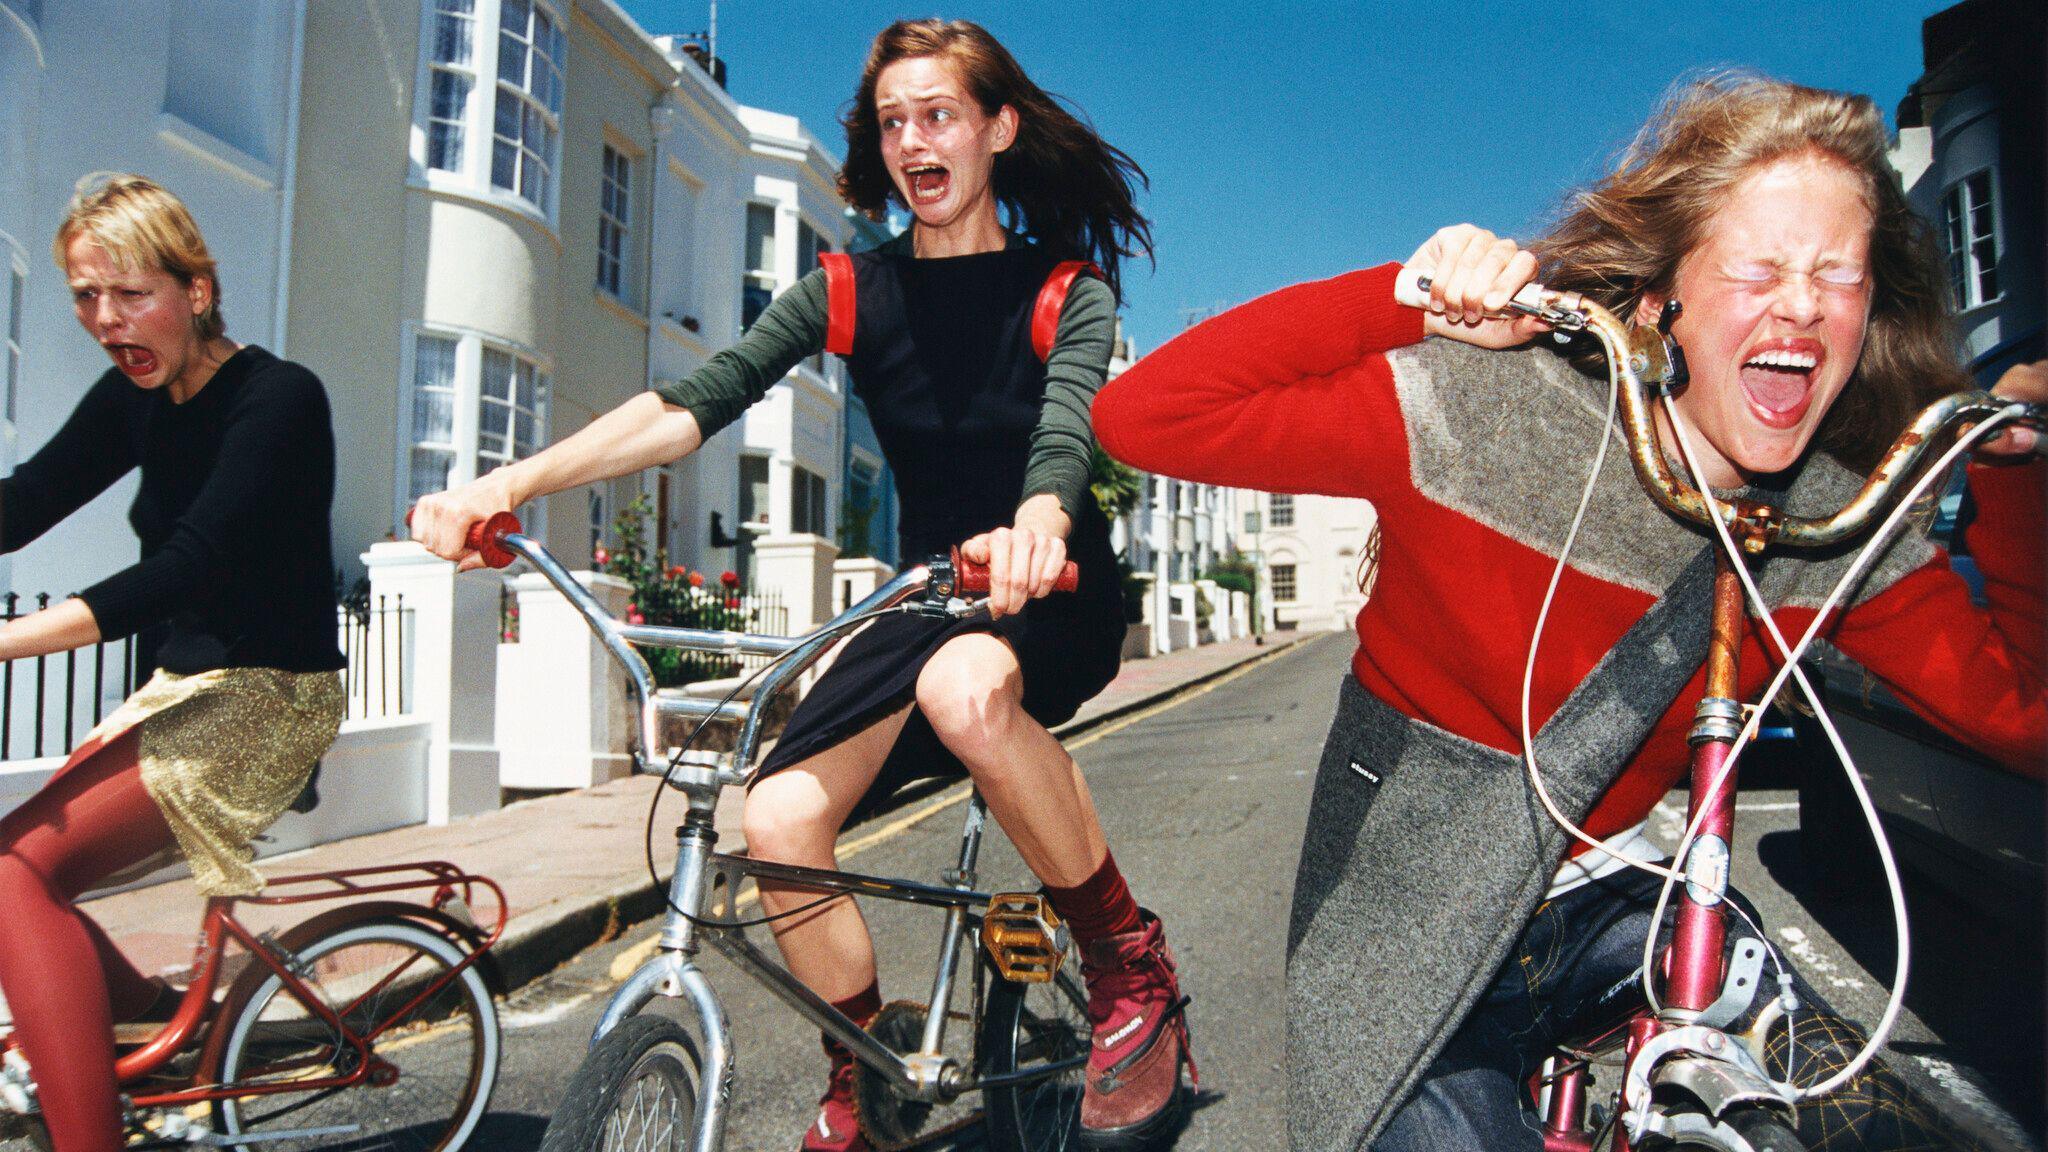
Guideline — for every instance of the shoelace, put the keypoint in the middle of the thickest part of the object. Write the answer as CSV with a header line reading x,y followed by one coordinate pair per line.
x,y
1144,972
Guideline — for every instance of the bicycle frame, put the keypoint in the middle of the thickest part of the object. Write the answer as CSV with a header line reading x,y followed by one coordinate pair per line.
x,y
451,887
701,873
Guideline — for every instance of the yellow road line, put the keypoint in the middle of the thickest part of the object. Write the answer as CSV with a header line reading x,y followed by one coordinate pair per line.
x,y
632,957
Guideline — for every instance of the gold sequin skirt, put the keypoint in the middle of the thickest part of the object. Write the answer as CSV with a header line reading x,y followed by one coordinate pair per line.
x,y
223,754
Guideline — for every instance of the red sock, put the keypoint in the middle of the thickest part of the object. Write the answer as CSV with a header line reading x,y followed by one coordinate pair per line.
x,y
859,1008
1097,907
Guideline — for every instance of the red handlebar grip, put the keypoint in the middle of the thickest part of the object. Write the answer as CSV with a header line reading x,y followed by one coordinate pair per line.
x,y
484,536
973,578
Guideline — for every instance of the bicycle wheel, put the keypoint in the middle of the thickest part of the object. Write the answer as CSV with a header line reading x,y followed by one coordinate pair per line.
x,y
1039,1027
635,1092
442,1054
1745,1130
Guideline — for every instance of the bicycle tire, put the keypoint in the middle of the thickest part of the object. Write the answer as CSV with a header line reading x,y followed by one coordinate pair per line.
x,y
1744,1130
446,1049
1032,1024
636,1091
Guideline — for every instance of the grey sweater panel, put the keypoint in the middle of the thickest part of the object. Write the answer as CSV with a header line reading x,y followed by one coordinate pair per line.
x,y
1506,438
793,326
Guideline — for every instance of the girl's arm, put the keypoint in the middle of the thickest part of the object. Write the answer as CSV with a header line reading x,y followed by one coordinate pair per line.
x,y
1287,393
1974,672
650,429
1290,393
61,627
91,451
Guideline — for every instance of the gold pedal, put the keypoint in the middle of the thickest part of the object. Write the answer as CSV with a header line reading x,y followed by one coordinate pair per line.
x,y
1024,936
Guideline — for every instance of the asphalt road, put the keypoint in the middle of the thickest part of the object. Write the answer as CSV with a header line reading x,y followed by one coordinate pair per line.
x,y
1204,799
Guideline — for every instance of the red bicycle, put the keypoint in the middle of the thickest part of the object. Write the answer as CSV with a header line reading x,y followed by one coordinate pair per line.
x,y
1689,1079
369,1025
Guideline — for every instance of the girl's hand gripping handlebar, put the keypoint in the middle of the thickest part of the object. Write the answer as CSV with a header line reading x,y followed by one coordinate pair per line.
x,y
972,579
486,536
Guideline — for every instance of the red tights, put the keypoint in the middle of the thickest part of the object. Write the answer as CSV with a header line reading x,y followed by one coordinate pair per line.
x,y
65,980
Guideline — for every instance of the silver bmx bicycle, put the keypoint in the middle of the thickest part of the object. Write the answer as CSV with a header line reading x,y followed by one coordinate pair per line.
x,y
649,1082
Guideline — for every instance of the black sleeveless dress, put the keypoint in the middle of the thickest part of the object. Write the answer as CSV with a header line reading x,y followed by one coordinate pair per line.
x,y
942,356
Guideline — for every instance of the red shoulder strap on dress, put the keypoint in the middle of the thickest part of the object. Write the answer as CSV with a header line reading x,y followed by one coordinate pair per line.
x,y
838,268
1045,315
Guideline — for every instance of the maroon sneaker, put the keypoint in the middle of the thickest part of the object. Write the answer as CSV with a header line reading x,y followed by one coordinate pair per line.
x,y
1133,1094
837,1128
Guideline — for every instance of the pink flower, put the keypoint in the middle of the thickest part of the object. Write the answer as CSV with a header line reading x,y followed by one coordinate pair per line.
x,y
633,615
729,579
696,579
602,557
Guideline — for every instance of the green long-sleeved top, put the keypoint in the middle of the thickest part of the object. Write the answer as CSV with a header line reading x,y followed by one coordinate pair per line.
x,y
793,327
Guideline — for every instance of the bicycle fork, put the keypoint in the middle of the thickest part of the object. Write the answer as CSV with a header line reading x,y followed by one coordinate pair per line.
x,y
673,972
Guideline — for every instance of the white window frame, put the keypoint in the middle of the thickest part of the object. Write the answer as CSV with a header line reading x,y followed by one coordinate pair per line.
x,y
758,278
1958,216
1279,510
469,410
1293,582
615,224
809,492
472,177
10,346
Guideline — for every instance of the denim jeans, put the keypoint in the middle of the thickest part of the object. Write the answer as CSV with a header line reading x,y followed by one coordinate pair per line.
x,y
1575,972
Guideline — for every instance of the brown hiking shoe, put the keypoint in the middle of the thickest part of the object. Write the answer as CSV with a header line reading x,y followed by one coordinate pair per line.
x,y
1133,1095
837,1128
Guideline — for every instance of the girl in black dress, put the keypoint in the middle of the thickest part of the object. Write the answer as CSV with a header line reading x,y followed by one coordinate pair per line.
x,y
978,350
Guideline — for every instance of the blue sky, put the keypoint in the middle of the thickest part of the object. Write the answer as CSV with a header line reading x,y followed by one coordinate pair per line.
x,y
1294,141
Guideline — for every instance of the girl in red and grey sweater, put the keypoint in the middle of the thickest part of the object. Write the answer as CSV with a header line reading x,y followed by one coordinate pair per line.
x,y
1812,322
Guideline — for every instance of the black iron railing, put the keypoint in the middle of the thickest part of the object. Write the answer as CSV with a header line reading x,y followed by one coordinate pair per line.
x,y
48,703
377,637
48,719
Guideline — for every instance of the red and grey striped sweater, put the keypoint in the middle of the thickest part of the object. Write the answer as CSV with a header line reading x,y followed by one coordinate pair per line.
x,y
1475,460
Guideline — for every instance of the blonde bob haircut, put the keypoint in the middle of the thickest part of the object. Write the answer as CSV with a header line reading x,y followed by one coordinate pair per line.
x,y
1622,238
143,226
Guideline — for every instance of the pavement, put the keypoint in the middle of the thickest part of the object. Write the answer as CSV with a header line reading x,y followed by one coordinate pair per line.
x,y
573,865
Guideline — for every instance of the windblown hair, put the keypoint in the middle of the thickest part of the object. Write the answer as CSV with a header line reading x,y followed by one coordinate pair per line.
x,y
1062,185
142,226
1623,237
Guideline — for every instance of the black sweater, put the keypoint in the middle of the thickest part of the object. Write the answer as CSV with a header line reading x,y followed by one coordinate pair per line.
x,y
237,486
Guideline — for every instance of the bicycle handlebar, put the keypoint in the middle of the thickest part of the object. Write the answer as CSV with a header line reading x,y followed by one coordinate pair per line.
x,y
1640,358
940,581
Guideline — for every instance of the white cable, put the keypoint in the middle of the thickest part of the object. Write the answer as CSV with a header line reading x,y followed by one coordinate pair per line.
x,y
1792,655
1535,773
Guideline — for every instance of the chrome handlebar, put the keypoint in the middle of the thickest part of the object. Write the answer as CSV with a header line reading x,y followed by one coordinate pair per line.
x,y
1642,359
795,653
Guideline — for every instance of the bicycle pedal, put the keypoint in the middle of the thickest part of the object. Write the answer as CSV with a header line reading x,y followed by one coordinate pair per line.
x,y
1024,937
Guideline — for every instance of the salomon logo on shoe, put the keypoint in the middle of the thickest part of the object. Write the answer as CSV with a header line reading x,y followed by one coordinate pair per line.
x,y
1118,1036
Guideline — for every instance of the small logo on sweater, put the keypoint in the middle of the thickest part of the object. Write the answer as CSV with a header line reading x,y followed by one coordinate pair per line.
x,y
1371,776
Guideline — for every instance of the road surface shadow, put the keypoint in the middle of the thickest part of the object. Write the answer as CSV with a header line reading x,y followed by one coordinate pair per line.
x,y
1976,982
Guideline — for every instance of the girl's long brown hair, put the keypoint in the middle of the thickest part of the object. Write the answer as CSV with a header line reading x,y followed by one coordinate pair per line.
x,y
1061,183
1622,238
